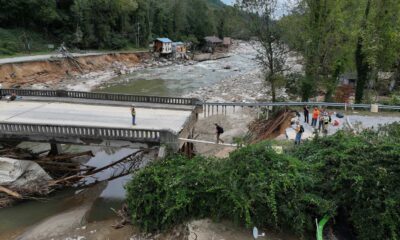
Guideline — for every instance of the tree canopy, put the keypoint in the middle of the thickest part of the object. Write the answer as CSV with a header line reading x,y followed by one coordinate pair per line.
x,y
117,23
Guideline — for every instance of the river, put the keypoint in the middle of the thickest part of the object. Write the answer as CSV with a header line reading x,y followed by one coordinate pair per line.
x,y
181,79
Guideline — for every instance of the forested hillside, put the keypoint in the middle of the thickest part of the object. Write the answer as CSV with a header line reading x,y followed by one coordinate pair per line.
x,y
115,24
339,36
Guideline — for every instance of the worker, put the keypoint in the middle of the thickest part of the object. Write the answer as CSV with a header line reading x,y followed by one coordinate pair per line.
x,y
306,114
325,124
322,116
13,97
133,112
315,117
299,132
219,130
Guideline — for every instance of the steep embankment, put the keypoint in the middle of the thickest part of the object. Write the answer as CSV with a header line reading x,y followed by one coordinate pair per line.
x,y
54,70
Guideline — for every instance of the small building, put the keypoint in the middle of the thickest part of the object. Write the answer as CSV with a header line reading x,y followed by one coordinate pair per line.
x,y
179,49
211,43
227,42
163,46
348,79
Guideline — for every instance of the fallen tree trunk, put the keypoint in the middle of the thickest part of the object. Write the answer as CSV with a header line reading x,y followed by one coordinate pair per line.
x,y
76,178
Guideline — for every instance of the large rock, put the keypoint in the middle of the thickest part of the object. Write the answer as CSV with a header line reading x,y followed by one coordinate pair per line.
x,y
21,174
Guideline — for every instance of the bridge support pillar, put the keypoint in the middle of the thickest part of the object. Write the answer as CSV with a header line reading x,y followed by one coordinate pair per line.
x,y
55,149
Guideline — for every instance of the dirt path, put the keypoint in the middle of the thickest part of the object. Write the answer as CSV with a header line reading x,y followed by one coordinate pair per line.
x,y
235,127
46,57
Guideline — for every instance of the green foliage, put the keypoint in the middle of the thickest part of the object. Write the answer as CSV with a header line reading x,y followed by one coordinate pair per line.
x,y
172,191
259,182
13,41
354,178
360,175
361,35
293,83
251,187
116,24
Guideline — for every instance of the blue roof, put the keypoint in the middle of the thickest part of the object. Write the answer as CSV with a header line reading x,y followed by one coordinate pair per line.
x,y
164,40
177,43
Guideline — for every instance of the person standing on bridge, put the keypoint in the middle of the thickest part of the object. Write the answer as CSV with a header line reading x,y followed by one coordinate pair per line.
x,y
219,130
133,112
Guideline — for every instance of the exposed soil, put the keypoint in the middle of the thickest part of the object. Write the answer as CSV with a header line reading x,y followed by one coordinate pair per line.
x,y
56,70
235,126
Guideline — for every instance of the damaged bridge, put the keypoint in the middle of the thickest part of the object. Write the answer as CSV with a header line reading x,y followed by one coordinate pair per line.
x,y
96,118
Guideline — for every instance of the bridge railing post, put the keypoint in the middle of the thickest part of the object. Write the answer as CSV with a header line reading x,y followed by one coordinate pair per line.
x,y
170,140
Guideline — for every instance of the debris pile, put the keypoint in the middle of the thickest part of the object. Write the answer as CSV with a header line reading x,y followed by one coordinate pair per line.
x,y
28,175
263,129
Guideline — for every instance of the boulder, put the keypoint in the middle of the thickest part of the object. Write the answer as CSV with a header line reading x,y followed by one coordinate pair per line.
x,y
21,174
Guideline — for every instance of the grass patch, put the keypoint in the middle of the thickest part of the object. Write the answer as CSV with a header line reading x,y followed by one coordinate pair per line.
x,y
15,42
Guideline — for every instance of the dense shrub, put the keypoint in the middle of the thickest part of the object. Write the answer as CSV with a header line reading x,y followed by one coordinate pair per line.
x,y
172,191
254,186
353,178
361,175
264,188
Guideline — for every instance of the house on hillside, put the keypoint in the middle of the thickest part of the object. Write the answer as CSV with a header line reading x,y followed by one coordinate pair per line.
x,y
211,43
384,81
227,42
163,46
179,49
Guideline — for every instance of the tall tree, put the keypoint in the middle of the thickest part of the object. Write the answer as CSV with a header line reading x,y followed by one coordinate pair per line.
x,y
362,64
272,51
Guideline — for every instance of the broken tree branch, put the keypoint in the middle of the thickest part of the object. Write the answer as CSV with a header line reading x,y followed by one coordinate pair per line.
x,y
10,192
76,178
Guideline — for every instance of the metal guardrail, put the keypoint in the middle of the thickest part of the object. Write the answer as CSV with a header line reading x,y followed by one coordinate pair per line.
x,y
174,100
20,130
100,96
298,104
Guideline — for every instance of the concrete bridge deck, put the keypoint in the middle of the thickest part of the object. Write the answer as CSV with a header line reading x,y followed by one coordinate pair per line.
x,y
58,113
95,122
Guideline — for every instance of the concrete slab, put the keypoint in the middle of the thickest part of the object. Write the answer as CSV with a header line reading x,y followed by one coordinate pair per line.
x,y
91,115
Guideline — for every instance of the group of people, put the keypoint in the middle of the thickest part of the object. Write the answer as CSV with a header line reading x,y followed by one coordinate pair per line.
x,y
322,117
319,116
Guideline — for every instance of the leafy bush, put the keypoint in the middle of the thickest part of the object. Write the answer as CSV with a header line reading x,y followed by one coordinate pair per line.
x,y
172,191
264,188
13,41
4,51
360,174
254,186
355,178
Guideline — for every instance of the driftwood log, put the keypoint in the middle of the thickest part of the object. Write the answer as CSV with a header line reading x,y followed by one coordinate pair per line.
x,y
66,173
10,192
123,213
134,160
